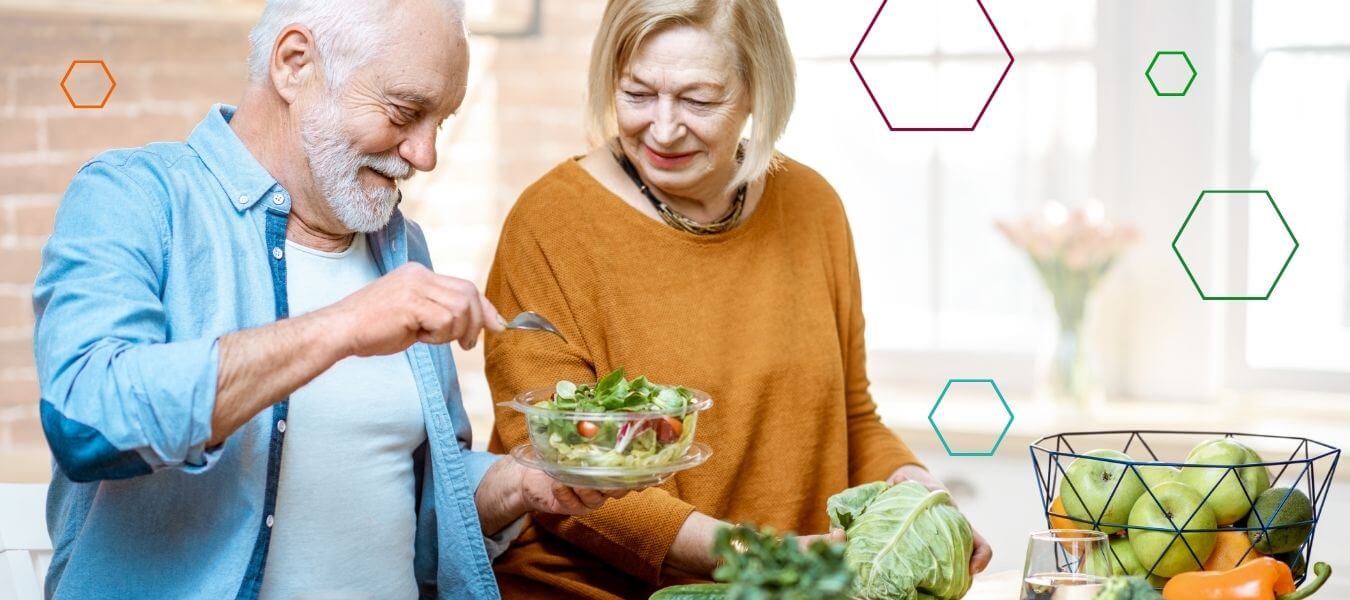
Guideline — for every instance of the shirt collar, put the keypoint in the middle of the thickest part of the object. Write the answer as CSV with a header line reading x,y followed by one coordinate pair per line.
x,y
244,180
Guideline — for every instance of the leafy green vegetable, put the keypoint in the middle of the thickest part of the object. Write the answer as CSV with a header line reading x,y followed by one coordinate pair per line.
x,y
613,393
904,541
760,566
1127,588
694,591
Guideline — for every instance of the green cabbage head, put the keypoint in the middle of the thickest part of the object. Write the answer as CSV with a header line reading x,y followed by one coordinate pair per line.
x,y
905,542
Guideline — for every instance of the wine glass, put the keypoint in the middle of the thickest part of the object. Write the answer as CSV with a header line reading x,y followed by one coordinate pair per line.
x,y
1065,564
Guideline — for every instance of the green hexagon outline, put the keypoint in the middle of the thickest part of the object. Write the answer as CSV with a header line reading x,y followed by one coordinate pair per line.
x,y
1148,73
943,438
1190,275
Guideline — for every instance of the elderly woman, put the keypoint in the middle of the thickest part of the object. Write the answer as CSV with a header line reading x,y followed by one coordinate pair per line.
x,y
680,252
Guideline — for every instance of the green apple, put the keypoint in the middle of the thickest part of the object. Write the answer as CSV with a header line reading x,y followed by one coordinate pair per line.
x,y
1120,560
1177,512
1156,474
1090,491
1234,489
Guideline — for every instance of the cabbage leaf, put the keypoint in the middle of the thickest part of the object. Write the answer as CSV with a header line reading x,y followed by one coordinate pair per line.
x,y
904,541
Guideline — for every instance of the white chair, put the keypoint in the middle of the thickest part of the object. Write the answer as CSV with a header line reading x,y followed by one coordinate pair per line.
x,y
25,548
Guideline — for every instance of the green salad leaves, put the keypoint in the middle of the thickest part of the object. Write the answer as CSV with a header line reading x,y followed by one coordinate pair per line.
x,y
904,541
613,393
758,565
777,568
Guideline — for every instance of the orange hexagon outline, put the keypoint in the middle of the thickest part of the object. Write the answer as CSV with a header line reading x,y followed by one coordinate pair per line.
x,y
106,71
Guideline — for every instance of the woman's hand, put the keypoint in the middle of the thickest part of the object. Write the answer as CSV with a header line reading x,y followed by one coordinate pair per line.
x,y
982,553
835,536
509,490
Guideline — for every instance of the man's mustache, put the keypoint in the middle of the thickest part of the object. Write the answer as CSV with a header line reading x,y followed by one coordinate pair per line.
x,y
389,165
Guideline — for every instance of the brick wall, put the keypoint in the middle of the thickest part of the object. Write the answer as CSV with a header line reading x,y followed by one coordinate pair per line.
x,y
168,72
524,115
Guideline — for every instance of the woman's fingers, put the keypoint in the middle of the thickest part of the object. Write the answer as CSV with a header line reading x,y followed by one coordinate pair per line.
x,y
981,555
835,536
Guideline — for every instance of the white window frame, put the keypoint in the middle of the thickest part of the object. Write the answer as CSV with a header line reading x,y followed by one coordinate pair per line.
x,y
1238,374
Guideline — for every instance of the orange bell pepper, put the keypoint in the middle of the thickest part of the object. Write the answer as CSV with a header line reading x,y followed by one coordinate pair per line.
x,y
1262,579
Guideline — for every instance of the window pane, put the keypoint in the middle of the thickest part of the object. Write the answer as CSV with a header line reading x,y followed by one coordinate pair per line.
x,y
1045,25
1300,23
922,205
1035,147
885,187
1299,145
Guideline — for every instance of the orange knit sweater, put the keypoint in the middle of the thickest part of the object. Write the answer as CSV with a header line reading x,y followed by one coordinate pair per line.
x,y
766,318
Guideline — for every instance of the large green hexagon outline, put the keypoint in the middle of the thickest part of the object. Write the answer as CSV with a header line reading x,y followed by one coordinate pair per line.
x,y
943,438
1148,73
1187,267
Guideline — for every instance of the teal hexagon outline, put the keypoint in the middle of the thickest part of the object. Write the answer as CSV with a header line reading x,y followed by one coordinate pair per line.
x,y
1187,267
1148,73
943,439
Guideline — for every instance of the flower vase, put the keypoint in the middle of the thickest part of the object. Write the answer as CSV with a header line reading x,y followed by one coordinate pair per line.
x,y
1071,379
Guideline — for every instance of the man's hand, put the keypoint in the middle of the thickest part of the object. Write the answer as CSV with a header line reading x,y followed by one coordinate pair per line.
x,y
509,490
260,366
411,304
982,553
545,494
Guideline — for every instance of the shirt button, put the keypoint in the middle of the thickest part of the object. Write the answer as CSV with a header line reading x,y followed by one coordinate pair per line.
x,y
277,199
242,199
270,520
281,426
277,253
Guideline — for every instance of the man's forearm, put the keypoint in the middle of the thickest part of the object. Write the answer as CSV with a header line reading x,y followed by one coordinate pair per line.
x,y
260,366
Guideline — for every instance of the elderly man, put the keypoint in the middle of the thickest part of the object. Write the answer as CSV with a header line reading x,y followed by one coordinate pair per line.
x,y
246,382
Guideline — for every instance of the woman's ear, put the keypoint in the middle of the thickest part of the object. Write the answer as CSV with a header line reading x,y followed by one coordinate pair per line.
x,y
294,59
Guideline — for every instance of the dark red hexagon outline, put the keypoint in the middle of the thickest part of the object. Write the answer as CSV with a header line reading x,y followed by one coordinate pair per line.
x,y
852,60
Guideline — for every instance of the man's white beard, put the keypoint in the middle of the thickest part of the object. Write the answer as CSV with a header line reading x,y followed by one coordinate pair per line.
x,y
335,164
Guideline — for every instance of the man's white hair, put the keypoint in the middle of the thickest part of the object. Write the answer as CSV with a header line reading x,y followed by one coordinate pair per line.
x,y
347,32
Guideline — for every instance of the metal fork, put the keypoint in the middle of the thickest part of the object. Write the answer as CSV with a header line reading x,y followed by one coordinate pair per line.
x,y
531,321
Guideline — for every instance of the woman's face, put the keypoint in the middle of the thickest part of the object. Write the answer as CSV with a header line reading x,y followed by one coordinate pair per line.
x,y
681,110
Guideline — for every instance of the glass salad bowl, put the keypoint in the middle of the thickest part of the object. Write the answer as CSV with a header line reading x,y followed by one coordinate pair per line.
x,y
615,434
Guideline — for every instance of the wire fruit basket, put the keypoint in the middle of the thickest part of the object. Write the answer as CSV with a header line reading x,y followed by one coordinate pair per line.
x,y
1230,498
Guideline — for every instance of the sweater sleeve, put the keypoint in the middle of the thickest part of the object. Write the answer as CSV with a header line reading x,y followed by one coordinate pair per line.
x,y
874,451
632,534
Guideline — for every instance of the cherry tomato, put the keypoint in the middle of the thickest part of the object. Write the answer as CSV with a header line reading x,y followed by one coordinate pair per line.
x,y
668,429
587,429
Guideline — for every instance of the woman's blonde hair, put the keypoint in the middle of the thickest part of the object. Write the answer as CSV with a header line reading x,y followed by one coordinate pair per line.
x,y
764,64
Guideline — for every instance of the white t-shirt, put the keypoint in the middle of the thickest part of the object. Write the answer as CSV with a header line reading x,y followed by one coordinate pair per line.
x,y
344,524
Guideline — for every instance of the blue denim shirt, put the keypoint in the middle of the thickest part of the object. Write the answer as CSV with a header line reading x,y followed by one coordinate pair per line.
x,y
157,252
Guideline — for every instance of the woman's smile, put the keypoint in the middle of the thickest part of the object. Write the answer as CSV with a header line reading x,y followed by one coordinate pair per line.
x,y
666,160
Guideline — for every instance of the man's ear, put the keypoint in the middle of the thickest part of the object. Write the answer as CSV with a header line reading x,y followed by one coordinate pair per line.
x,y
294,61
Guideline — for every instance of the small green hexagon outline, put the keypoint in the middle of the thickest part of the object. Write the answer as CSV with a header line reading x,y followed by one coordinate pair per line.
x,y
1148,73
1187,267
998,393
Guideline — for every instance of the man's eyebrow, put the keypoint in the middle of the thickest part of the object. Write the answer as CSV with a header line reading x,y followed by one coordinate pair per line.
x,y
412,97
